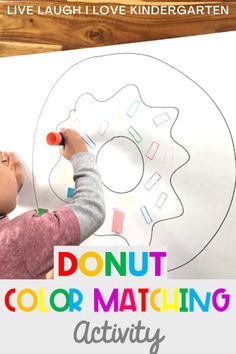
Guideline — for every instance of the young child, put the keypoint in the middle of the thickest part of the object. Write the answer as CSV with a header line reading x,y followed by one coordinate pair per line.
x,y
27,241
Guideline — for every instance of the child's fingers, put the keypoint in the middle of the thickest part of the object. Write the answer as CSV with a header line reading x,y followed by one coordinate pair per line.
x,y
67,132
64,131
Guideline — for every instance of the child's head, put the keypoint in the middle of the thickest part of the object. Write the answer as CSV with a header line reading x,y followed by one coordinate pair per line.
x,y
8,187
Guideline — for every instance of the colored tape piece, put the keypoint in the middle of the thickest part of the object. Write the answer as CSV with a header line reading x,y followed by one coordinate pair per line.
x,y
55,139
146,215
70,192
161,200
103,127
152,150
162,118
89,141
152,181
135,134
117,222
124,199
40,211
133,108
169,155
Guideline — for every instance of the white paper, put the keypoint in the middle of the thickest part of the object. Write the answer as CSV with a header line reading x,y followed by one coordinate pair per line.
x,y
115,97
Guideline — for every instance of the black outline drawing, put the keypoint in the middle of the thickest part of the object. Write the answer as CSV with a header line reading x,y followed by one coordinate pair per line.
x,y
140,152
121,136
146,185
151,148
171,177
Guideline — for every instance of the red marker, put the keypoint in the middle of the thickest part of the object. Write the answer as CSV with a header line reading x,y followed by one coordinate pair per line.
x,y
55,139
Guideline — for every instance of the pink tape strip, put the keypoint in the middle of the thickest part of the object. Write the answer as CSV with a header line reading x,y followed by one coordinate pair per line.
x,y
117,222
152,150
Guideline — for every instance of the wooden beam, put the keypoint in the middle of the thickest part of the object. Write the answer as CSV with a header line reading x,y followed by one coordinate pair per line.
x,y
81,31
18,48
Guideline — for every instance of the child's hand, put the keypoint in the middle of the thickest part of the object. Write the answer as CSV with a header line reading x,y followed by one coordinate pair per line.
x,y
50,275
10,160
73,143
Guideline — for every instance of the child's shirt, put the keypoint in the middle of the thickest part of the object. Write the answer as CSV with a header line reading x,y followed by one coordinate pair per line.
x,y
26,242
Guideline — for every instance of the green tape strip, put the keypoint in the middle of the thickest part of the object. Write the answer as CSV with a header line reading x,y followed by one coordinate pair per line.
x,y
40,211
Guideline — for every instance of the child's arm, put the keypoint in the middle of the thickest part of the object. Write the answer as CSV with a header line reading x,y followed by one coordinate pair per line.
x,y
72,223
88,201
